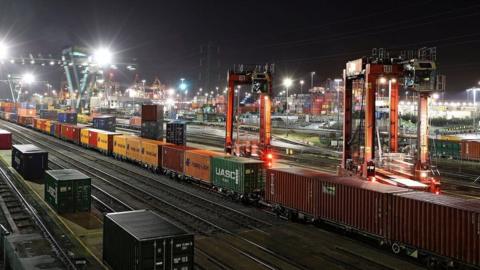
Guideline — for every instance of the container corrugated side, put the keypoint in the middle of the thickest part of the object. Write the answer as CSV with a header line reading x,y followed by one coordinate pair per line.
x,y
160,244
198,164
442,224
151,153
120,146
239,175
105,141
134,147
293,188
84,136
173,158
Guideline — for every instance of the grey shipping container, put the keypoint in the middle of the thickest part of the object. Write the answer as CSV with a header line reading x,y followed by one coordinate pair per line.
x,y
177,133
29,161
143,240
240,175
152,130
68,191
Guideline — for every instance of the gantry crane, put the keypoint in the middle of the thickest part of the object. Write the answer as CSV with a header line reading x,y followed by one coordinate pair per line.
x,y
260,78
419,75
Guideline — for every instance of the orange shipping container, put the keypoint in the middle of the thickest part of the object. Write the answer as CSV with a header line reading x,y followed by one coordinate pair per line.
x,y
197,164
26,112
151,153
133,148
105,141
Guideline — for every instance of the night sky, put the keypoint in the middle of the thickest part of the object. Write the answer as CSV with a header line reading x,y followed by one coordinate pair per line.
x,y
165,37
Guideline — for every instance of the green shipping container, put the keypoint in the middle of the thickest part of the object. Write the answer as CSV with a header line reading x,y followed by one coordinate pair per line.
x,y
240,175
68,191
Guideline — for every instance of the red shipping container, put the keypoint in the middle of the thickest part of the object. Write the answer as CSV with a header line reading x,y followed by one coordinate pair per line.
x,y
173,157
445,225
5,140
292,188
58,130
345,201
152,113
92,138
71,133
470,149
25,120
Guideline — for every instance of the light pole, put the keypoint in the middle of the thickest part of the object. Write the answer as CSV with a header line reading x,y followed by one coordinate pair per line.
x,y
474,95
301,86
287,82
337,87
311,79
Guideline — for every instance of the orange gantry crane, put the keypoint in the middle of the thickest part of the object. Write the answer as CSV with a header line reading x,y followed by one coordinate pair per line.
x,y
365,74
260,79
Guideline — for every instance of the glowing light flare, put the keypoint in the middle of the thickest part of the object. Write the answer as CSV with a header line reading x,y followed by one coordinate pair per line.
x,y
3,51
287,82
28,78
102,56
171,92
382,80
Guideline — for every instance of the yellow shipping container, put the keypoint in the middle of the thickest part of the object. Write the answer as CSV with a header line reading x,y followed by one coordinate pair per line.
x,y
83,118
120,146
48,123
84,135
151,153
133,148
105,141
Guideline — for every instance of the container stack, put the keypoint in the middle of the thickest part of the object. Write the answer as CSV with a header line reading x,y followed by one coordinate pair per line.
x,y
104,122
152,122
29,161
26,109
177,133
144,240
48,114
67,191
67,118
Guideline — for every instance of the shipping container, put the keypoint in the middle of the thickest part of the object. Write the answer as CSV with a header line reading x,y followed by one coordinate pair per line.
x,y
67,191
29,161
92,138
105,141
104,122
238,175
120,146
135,121
198,164
5,140
58,130
47,126
441,224
152,113
25,120
143,240
151,153
26,112
67,117
48,114
152,130
84,137
71,133
470,149
177,133
173,158
292,188
133,148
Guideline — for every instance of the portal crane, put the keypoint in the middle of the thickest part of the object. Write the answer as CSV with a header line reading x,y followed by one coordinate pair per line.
x,y
260,78
419,75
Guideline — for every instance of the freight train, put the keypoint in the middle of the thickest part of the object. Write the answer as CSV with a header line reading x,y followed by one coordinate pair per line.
x,y
438,229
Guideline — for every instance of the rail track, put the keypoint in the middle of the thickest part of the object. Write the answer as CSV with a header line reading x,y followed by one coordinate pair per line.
x,y
58,248
192,212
